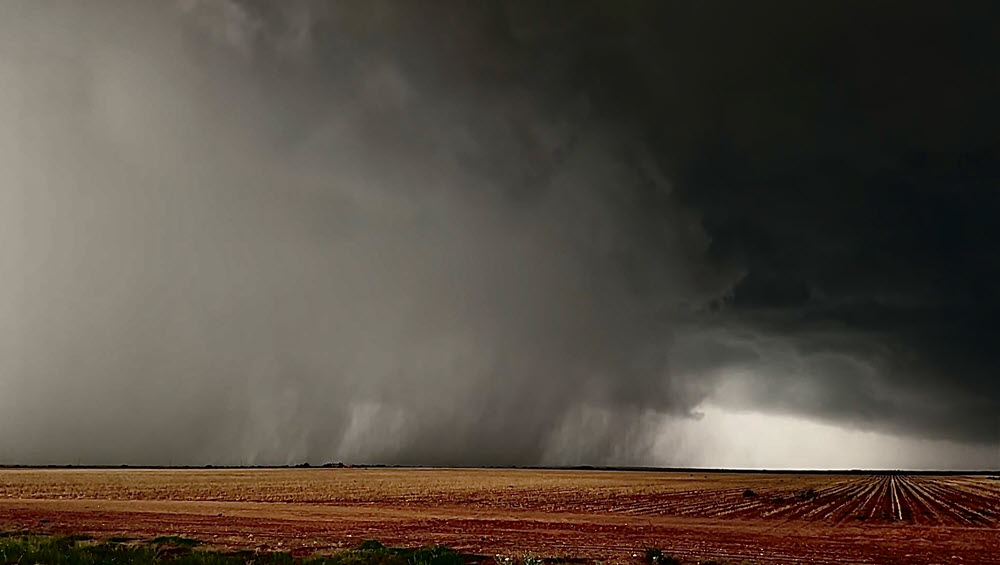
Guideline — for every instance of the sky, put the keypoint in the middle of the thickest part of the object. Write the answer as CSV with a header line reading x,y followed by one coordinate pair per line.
x,y
710,234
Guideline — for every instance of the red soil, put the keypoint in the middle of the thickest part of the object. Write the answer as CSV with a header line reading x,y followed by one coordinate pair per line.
x,y
582,514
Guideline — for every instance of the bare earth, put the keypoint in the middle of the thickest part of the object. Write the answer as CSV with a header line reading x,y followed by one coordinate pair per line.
x,y
608,515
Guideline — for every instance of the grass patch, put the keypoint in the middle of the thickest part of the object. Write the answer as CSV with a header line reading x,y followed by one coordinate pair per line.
x,y
528,559
176,541
655,556
373,552
24,549
176,550
66,551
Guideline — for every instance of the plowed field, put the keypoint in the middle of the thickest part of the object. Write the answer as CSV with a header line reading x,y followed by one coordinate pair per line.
x,y
608,515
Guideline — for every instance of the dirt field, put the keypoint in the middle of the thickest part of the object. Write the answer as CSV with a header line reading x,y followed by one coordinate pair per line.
x,y
580,514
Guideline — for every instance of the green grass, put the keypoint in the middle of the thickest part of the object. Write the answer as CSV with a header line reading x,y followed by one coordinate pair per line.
x,y
174,550
655,556
175,540
25,549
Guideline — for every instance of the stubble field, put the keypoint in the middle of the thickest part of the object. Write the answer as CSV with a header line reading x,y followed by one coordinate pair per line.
x,y
607,515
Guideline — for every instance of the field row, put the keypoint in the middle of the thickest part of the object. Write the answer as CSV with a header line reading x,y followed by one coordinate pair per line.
x,y
766,518
837,499
950,501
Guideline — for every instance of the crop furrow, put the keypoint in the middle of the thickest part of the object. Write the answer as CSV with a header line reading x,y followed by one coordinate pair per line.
x,y
947,498
919,507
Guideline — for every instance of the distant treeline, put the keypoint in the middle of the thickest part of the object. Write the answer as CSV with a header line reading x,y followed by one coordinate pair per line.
x,y
690,470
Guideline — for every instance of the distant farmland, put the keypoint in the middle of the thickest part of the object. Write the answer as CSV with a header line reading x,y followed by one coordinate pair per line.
x,y
608,515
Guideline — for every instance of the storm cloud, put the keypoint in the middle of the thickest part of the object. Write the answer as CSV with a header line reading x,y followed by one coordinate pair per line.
x,y
489,234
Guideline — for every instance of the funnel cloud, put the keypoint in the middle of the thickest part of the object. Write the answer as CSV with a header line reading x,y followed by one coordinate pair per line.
x,y
461,233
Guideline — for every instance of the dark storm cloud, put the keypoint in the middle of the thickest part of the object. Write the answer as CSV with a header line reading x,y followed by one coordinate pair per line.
x,y
850,169
478,233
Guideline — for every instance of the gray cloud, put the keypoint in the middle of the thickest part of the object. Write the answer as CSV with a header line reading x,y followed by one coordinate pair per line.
x,y
219,261
249,232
